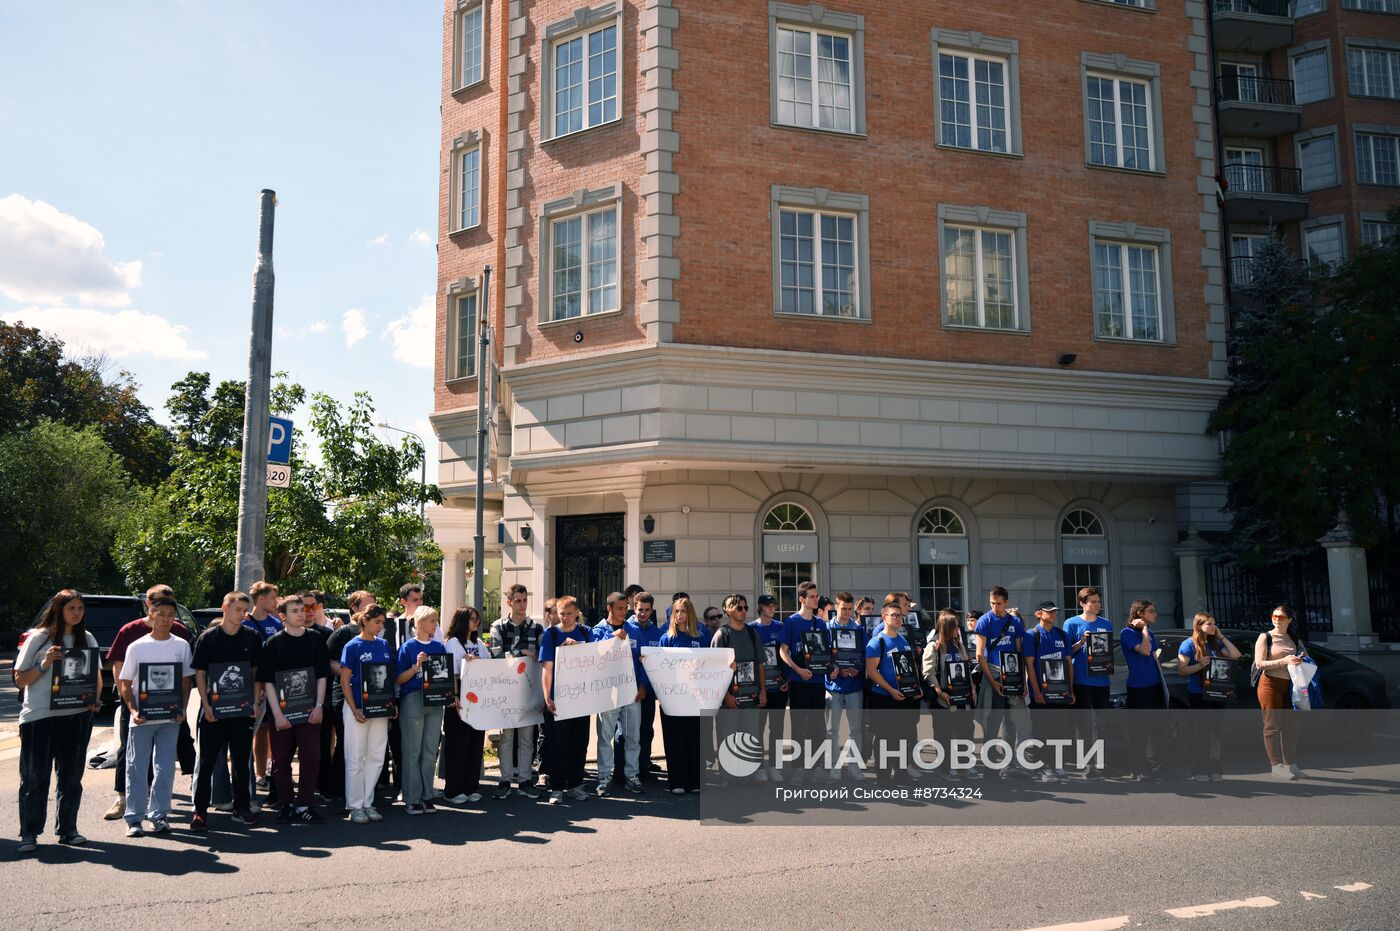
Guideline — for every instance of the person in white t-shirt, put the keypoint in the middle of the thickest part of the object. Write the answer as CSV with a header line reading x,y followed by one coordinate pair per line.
x,y
462,744
152,740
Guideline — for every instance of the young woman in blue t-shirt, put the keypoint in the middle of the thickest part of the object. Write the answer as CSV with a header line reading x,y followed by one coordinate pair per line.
x,y
1146,689
682,734
1193,662
943,654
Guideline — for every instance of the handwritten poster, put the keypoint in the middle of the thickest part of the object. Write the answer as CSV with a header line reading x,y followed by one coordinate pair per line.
x,y
500,693
590,678
688,681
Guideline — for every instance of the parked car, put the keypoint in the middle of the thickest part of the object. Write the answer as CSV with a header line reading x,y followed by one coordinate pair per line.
x,y
107,614
207,616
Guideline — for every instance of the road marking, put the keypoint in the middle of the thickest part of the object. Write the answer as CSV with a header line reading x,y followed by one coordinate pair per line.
x,y
1102,924
1312,895
1354,887
1205,911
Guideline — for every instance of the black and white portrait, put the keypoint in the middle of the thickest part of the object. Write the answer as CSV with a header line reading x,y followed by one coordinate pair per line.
x,y
296,684
744,674
957,672
231,679
845,640
1012,663
376,677
1054,670
160,677
1098,642
75,664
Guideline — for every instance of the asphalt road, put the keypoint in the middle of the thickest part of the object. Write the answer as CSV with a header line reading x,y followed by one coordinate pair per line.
x,y
648,862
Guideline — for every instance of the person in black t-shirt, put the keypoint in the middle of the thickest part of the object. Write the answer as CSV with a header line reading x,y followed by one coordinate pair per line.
x,y
226,642
294,669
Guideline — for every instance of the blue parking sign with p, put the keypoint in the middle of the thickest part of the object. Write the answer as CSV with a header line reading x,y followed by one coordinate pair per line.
x,y
279,440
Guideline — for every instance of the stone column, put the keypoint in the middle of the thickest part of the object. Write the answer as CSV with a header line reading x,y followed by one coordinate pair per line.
x,y
632,529
1346,575
454,583
1191,556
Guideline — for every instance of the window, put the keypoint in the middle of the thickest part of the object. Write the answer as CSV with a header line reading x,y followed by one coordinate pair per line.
x,y
465,210
816,59
1240,81
580,75
820,253
1083,554
943,560
1306,7
1243,248
1244,169
1378,157
983,268
1374,72
471,47
1376,230
962,79
1312,72
1132,282
1373,6
1317,158
1122,112
580,237
789,553
461,329
1323,246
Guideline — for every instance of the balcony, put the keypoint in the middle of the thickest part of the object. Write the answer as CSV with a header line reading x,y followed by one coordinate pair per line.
x,y
1264,194
1256,107
1252,25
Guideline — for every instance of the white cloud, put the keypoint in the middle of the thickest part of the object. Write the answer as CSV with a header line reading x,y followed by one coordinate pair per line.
x,y
48,256
118,334
315,327
413,334
420,237
319,326
381,240
352,324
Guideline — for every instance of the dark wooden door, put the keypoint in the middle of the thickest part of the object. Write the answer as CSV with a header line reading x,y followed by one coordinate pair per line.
x,y
588,560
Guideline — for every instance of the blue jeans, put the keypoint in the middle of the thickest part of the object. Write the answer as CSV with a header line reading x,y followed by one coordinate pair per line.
x,y
849,704
630,718
147,745
420,728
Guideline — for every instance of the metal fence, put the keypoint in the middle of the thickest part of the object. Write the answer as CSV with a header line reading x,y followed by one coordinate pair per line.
x,y
1382,573
1240,596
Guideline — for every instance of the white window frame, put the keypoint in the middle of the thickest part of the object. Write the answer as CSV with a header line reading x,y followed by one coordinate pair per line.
x,y
1310,136
1119,68
583,23
1131,235
1299,12
977,47
1360,48
984,219
1372,131
1379,221
466,144
822,202
458,291
818,20
1316,224
1253,241
1321,47
580,205
1372,6
460,79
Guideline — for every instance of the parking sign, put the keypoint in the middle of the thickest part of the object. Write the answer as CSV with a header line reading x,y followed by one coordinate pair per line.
x,y
279,440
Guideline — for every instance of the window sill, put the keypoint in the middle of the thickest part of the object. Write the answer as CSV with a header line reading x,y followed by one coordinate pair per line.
x,y
1142,172
453,234
971,151
1132,341
839,133
1380,184
995,331
832,318
1373,97
579,132
581,318
460,380
1122,6
465,88
1323,187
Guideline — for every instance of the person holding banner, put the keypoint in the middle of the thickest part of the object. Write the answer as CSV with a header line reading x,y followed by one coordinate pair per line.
x,y
682,734
568,739
645,632
624,722
53,738
1092,654
365,738
894,694
1205,660
154,728
770,632
420,724
462,744
806,651
947,667
845,683
227,645
517,634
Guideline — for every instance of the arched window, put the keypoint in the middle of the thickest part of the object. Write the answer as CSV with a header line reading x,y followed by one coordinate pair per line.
x,y
1084,555
789,553
943,559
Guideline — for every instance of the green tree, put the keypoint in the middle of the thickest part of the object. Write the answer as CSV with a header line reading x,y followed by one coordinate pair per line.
x,y
1311,416
61,491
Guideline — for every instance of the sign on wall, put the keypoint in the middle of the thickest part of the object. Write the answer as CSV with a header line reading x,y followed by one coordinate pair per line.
x,y
943,551
658,551
789,547
1084,551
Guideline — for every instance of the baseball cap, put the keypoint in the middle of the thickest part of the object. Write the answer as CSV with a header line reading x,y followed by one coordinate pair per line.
x,y
1047,606
766,600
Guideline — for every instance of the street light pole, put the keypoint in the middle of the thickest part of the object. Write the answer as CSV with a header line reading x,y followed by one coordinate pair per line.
x,y
252,486
482,357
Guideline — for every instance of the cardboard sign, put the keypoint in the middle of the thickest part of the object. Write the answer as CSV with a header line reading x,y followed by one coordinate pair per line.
x,y
1013,677
688,681
1217,685
1100,656
849,653
1054,683
74,680
376,689
436,673
590,678
160,690
230,688
959,687
745,687
296,693
500,693
773,677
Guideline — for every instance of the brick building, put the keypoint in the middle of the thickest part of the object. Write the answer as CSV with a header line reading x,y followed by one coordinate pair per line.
x,y
887,294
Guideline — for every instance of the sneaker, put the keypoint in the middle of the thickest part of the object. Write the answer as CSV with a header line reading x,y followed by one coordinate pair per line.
x,y
264,783
247,817
1200,778
1297,773
287,815
373,814
602,789
159,826
1048,776
504,792
1216,777
459,799
577,794
198,824
439,795
1281,772
117,810
413,808
309,815
678,791
528,791
134,830
224,807
694,791
556,798
72,840
27,844
634,785
254,807
474,797
358,816
429,808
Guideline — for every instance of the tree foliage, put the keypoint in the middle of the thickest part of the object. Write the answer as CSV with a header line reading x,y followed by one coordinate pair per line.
x,y
1311,417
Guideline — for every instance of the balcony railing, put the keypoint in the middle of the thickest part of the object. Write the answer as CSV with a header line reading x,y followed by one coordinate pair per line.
x,y
1275,91
1241,271
1257,7
1242,179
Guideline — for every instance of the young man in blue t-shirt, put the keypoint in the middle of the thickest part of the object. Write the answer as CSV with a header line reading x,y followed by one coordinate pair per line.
x,y
894,715
1091,692
805,636
1001,634
845,684
1048,644
770,633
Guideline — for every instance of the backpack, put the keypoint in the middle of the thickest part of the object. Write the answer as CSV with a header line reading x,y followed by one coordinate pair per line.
x,y
1314,688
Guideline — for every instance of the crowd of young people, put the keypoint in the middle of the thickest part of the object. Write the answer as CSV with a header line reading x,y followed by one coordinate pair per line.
x,y
276,681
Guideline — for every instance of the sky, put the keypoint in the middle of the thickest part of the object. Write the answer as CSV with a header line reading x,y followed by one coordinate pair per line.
x,y
134,140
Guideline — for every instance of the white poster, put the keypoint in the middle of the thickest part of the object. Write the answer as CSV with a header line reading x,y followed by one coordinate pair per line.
x,y
501,693
590,678
689,681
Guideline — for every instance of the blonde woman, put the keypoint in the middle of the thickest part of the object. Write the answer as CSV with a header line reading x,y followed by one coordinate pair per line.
x,y
682,735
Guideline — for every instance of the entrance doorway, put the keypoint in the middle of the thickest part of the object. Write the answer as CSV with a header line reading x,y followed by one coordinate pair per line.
x,y
589,561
